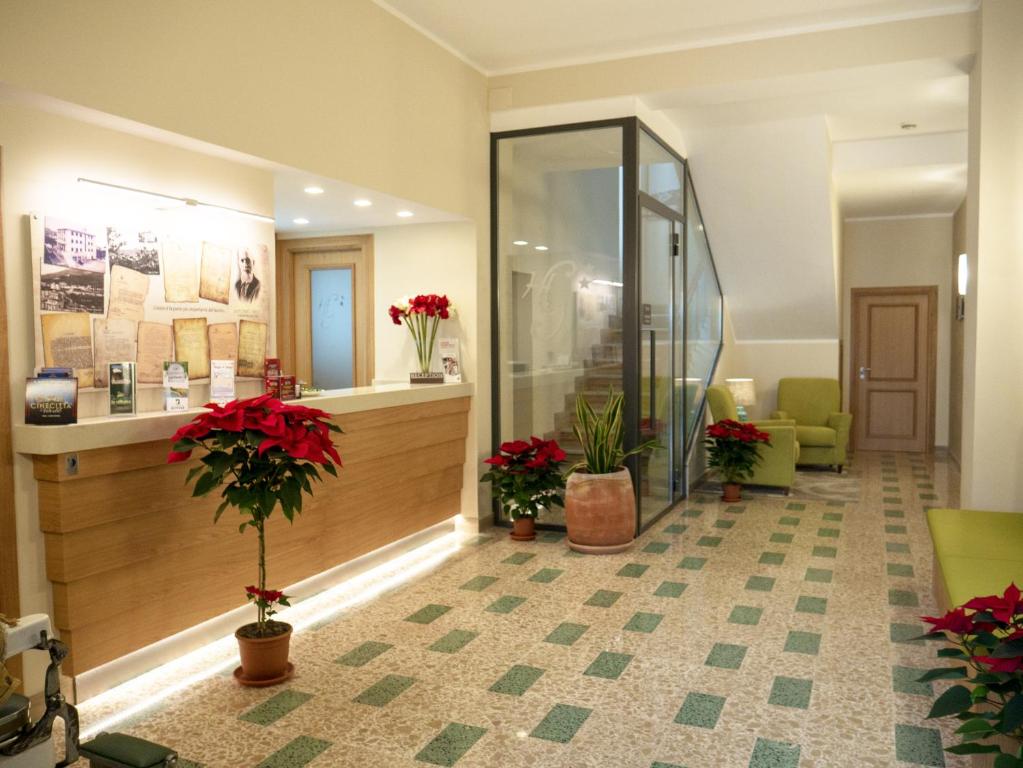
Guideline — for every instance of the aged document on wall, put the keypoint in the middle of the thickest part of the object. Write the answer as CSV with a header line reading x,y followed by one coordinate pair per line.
x,y
251,347
223,341
215,275
155,346
192,346
67,343
128,290
180,272
115,342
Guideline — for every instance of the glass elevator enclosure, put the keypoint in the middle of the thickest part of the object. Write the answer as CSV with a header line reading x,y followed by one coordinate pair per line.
x,y
601,276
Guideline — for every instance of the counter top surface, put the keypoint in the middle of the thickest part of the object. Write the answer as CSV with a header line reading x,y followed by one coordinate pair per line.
x,y
107,431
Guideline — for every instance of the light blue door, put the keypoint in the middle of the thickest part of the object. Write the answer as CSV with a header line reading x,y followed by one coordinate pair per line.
x,y
331,300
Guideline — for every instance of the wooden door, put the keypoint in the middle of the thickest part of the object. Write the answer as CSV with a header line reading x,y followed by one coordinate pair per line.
x,y
297,260
894,348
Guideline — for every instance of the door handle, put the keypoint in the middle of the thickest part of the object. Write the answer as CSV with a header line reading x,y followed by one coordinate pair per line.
x,y
864,373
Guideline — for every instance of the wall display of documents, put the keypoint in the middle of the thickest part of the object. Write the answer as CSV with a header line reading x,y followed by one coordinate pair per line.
x,y
166,285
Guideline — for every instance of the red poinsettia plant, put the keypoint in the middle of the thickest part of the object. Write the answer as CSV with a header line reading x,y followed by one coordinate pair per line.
x,y
986,637
733,448
422,315
264,454
526,477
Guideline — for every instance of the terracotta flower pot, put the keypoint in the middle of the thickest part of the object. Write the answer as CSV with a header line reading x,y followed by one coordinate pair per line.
x,y
524,529
600,512
264,659
731,492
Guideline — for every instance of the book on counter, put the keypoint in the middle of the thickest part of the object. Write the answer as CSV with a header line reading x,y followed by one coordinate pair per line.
x,y
122,389
222,381
175,385
56,373
51,400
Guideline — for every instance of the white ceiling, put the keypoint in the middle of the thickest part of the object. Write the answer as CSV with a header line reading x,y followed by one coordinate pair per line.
x,y
498,36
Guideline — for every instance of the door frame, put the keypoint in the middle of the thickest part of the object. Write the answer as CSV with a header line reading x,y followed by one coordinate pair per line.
x,y
361,249
931,292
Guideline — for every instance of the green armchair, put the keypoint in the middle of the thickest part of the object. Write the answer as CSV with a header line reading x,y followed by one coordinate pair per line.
x,y
777,466
821,428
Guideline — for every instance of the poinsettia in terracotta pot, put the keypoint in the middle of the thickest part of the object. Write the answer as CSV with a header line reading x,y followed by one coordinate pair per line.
x,y
525,478
263,454
733,448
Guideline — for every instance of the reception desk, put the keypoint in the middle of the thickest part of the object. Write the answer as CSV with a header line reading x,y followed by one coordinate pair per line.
x,y
133,558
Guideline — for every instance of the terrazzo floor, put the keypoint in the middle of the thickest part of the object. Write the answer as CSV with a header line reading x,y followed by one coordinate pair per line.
x,y
769,634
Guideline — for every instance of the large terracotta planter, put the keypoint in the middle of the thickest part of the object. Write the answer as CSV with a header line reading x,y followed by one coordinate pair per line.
x,y
264,659
524,529
600,512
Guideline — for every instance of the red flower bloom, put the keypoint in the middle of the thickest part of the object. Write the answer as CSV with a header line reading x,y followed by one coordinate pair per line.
x,y
956,622
496,461
515,447
1001,608
1008,666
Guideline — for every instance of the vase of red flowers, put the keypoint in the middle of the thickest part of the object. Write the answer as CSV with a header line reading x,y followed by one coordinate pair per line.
x,y
422,315
526,478
262,454
986,648
733,448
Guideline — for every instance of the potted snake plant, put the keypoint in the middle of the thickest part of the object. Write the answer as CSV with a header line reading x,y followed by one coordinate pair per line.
x,y
600,505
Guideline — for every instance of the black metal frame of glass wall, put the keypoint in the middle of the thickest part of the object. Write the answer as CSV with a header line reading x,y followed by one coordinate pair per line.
x,y
632,199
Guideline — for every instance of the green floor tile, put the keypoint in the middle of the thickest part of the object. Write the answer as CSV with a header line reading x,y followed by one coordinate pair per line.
x,y
825,552
546,575
927,486
644,622
451,744
820,575
428,614
561,723
904,680
296,753
787,520
692,563
675,528
772,558
385,690
550,537
894,513
760,583
701,710
920,746
900,569
903,598
808,604
891,500
608,665
633,570
803,642
745,614
656,547
828,533
276,707
782,538
835,517
670,589
478,583
363,654
709,541
725,524
904,633
928,496
896,546
795,506
505,604
726,656
519,558
890,489
692,512
517,680
890,528
603,598
454,641
566,634
790,692
736,509
659,764
774,754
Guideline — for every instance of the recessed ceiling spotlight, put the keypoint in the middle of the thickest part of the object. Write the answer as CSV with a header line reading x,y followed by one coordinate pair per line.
x,y
520,242
405,214
300,221
541,247
313,190
907,126
362,203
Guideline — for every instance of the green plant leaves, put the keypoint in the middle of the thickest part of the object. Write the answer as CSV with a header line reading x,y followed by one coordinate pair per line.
x,y
955,700
943,673
1012,715
206,483
602,436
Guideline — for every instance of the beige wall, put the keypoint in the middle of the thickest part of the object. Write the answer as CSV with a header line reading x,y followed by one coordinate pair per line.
x,y
902,252
955,362
993,347
43,156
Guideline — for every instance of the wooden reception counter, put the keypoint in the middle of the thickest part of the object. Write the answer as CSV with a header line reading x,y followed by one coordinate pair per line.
x,y
133,558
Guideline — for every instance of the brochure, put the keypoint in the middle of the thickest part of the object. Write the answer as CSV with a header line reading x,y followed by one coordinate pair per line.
x,y
222,381
175,385
448,349
51,401
122,388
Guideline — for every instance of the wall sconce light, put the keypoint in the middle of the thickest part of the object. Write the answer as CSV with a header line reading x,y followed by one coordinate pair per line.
x,y
963,278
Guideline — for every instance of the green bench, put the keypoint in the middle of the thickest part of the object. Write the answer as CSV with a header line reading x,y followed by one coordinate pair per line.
x,y
118,750
976,553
